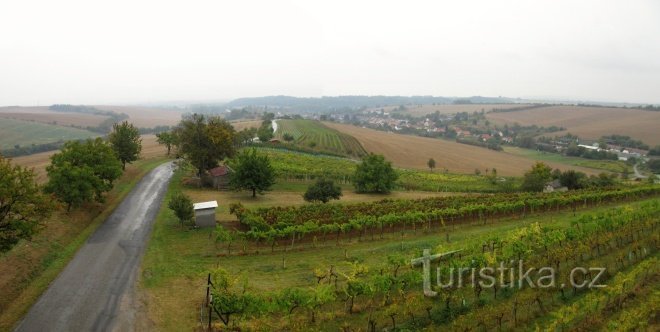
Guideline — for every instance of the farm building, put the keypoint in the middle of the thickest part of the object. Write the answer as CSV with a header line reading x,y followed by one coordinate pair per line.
x,y
205,213
219,177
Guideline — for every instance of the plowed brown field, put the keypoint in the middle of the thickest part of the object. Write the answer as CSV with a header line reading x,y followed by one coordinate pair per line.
x,y
589,122
408,151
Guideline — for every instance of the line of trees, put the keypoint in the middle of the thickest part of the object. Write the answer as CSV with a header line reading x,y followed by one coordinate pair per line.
x,y
83,171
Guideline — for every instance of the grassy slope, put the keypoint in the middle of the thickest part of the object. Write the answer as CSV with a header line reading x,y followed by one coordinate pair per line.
x,y
27,270
178,259
24,133
616,166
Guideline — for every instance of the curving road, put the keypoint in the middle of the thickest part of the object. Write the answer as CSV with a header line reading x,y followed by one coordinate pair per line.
x,y
95,292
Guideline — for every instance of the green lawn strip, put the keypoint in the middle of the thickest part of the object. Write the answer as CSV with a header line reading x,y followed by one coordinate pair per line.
x,y
54,263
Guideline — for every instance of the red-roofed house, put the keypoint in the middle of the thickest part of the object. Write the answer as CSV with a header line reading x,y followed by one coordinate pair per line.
x,y
220,177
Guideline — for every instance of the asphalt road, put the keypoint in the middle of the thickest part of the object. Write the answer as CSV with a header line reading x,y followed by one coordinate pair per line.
x,y
95,292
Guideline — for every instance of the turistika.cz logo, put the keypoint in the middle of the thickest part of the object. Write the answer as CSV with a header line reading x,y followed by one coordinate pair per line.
x,y
512,275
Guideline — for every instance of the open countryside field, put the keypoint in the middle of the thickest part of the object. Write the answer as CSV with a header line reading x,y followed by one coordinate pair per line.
x,y
57,118
413,152
589,122
317,136
25,133
240,125
146,117
421,110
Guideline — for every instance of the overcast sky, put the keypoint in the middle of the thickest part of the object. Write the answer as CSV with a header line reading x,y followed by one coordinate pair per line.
x,y
101,52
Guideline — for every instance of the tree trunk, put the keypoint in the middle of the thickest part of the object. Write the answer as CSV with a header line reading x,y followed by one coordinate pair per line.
x,y
254,192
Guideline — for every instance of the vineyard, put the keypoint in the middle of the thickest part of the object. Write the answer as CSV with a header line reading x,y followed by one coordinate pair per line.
x,y
318,137
368,219
347,266
623,240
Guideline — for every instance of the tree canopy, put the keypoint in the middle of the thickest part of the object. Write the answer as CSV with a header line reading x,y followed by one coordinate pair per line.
x,y
204,141
82,171
125,140
431,164
23,207
252,171
536,178
168,139
374,175
322,191
182,207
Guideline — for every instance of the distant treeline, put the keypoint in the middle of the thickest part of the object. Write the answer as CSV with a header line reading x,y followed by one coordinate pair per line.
x,y
342,103
626,142
517,109
18,150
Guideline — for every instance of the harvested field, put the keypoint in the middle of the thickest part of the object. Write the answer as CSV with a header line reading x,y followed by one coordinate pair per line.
x,y
421,110
589,122
25,109
413,152
57,118
146,117
240,125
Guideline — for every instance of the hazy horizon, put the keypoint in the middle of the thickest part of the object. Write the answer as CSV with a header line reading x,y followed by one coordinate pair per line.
x,y
123,52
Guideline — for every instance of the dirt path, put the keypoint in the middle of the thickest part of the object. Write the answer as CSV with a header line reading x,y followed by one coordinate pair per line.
x,y
96,291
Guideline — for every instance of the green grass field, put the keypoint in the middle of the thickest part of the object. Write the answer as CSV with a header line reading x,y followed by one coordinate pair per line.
x,y
25,133
616,166
316,136
296,166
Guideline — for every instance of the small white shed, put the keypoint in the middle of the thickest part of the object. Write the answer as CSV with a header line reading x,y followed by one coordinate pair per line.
x,y
205,213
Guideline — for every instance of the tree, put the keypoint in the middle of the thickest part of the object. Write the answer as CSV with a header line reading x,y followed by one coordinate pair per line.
x,y
572,179
287,137
654,165
246,136
374,175
182,207
23,207
322,191
265,133
431,164
82,171
252,171
125,140
654,151
168,139
205,141
536,178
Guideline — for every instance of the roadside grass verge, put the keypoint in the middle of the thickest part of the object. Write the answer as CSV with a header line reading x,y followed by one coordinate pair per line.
x,y
27,270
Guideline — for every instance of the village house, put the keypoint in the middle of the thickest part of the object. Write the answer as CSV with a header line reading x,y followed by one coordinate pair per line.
x,y
219,177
